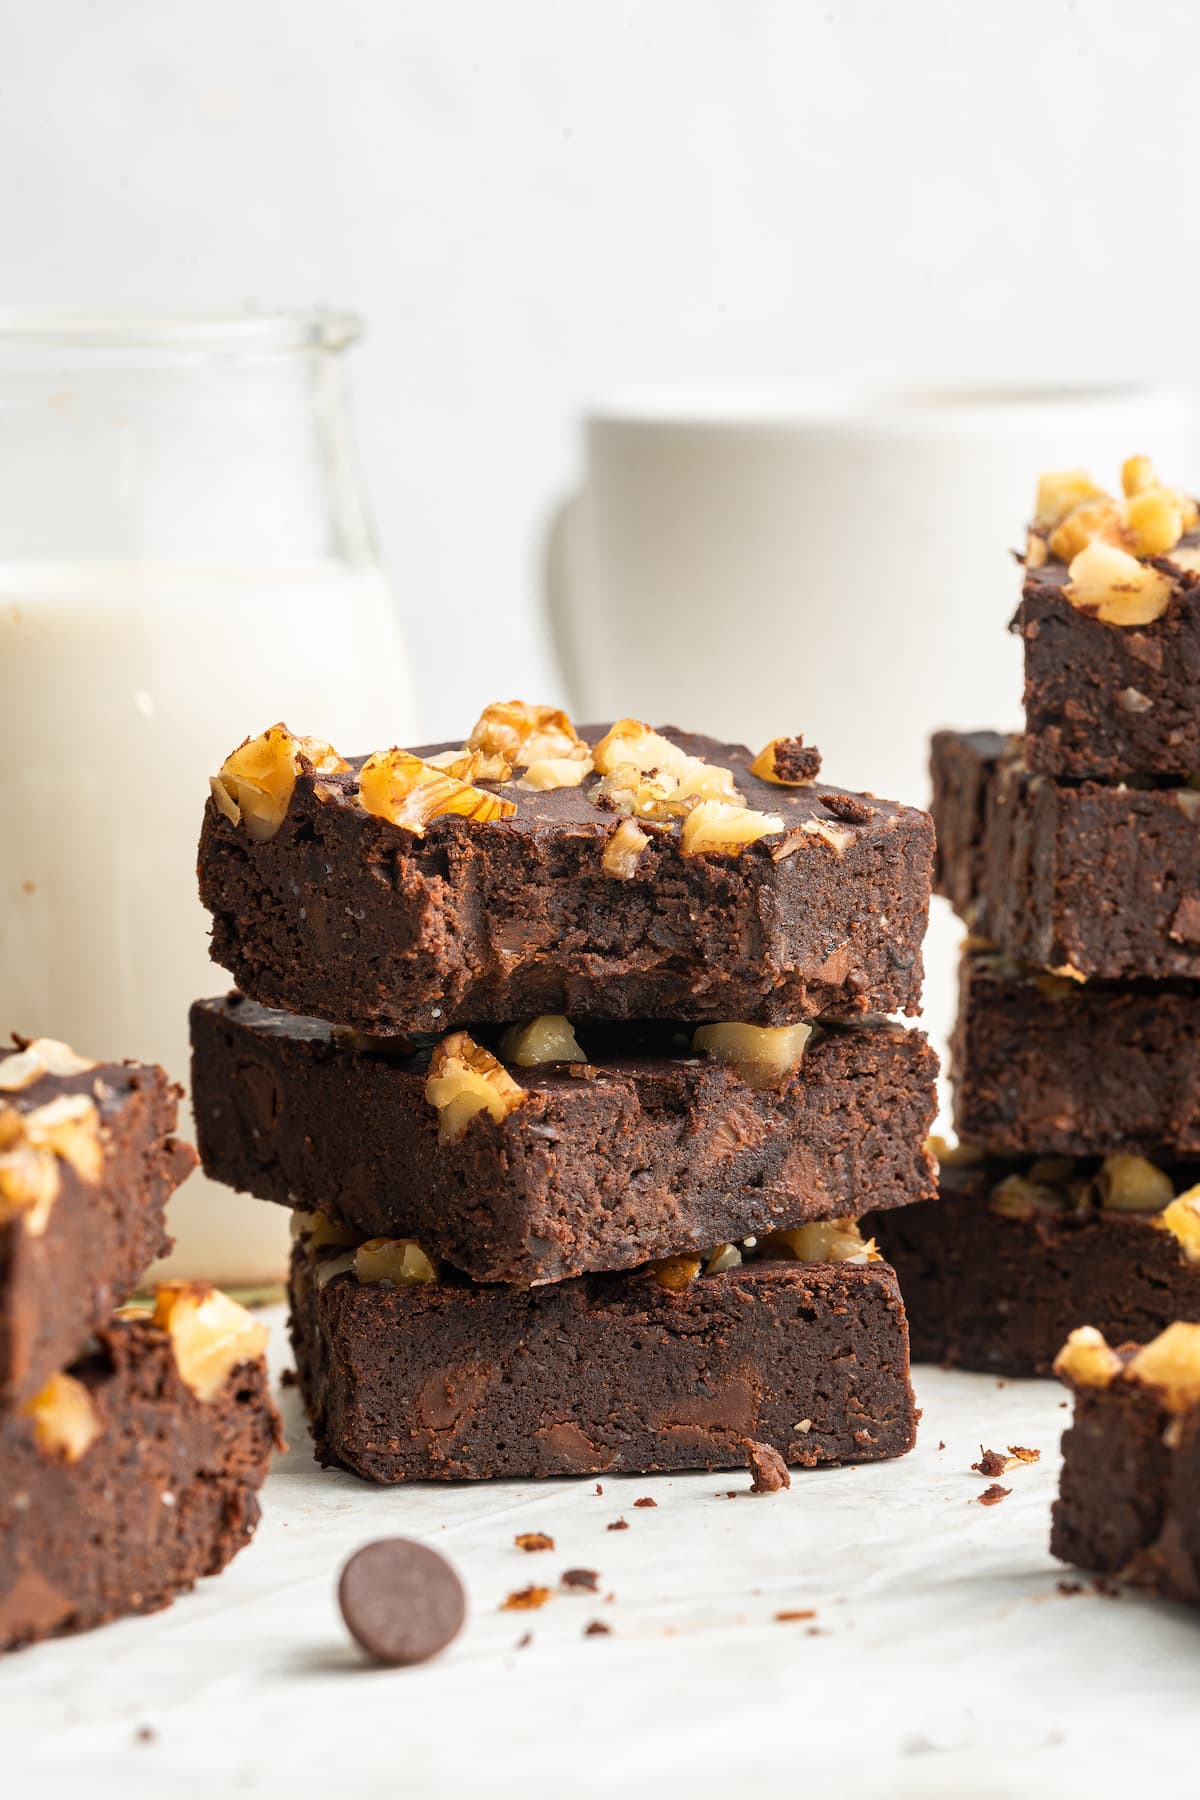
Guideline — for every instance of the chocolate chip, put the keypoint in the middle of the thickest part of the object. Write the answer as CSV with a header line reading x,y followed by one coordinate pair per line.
x,y
401,1601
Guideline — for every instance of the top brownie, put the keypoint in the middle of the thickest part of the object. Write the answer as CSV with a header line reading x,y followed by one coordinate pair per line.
x,y
1110,620
625,874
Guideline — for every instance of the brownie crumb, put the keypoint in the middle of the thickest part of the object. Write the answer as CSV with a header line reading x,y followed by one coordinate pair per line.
x,y
767,1467
1023,1455
618,1525
587,1580
1107,1589
795,760
599,1489
597,1628
145,1734
941,1443
524,1641
992,1496
1070,1587
533,1540
525,1599
645,1501
990,1463
798,1612
288,1378
848,807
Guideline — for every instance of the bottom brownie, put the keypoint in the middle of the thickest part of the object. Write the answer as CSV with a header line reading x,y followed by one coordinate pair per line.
x,y
1002,1267
603,1373
135,1473
1129,1497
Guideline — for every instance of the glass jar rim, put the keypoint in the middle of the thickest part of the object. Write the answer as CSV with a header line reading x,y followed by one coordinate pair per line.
x,y
221,330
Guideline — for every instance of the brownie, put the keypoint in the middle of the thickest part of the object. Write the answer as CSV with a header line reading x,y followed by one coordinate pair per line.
x,y
342,915
1000,1293
644,1150
1043,1064
601,1374
165,1492
1100,879
78,1224
1110,700
1129,1493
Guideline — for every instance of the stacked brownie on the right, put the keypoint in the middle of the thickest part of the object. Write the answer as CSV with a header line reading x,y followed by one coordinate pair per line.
x,y
1073,856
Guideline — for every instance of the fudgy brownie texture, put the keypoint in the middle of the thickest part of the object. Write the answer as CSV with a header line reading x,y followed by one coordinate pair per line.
x,y
644,1151
1001,1294
342,915
1044,1065
1110,700
62,1274
1104,880
606,1373
165,1494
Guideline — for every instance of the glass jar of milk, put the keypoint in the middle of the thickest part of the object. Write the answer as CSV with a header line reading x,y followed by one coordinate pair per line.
x,y
186,556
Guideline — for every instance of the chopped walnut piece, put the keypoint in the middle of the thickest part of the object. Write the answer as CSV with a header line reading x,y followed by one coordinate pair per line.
x,y
1131,1184
471,765
1036,552
554,772
44,1056
725,1256
548,1038
400,1261
714,828
1153,522
762,1055
1117,587
397,786
1182,1219
836,836
531,1541
1186,557
823,1240
1101,522
32,1144
675,1273
210,1334
1137,474
629,741
1171,1363
317,1230
622,851
789,762
255,784
65,1420
1086,1359
29,1184
1061,492
952,1156
523,734
465,1079
1020,1453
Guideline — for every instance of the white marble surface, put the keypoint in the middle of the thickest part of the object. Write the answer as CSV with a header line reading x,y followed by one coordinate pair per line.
x,y
946,1661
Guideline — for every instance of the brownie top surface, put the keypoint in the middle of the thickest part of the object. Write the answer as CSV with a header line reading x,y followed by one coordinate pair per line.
x,y
109,1084
570,809
1052,576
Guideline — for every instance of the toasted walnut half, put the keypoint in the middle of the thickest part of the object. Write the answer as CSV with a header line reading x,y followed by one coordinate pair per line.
x,y
546,1039
316,1230
471,765
256,783
824,1240
676,1273
763,1055
789,762
524,734
1171,1363
1086,1359
670,780
1182,1219
44,1056
555,772
210,1334
397,786
398,1260
1131,1184
65,1420
622,851
715,828
725,1256
1117,587
465,1079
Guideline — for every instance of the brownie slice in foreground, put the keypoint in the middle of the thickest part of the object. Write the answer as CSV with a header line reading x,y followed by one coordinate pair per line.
x,y
591,899
1129,1497
627,1146
136,1472
1014,1256
1046,1065
1100,880
445,1381
87,1165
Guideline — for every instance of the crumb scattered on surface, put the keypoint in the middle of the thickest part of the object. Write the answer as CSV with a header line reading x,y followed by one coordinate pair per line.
x,y
597,1628
645,1501
1070,1587
599,1489
288,1378
766,1466
145,1734
990,1463
941,1443
588,1580
796,1612
524,1641
1024,1455
1108,1589
618,1525
533,1540
992,1496
524,1599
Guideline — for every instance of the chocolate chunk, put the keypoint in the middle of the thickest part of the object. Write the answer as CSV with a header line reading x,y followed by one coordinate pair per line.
x,y
768,1468
401,1601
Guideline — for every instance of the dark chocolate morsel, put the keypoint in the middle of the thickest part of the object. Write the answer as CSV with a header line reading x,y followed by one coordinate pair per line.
x,y
401,1601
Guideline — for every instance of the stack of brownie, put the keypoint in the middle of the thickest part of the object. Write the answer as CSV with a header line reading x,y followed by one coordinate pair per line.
x,y
567,1051
1073,855
132,1442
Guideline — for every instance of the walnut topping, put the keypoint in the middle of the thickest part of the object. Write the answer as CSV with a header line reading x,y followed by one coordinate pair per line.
x,y
397,786
725,1256
1086,1360
1121,590
1182,1219
524,734
952,1156
1036,552
465,1079
471,765
1061,492
762,1055
1103,538
256,783
372,1043
398,1260
789,762
65,1420
210,1334
555,772
646,775
1131,1184
316,1230
622,851
1098,523
1023,1197
824,1240
1187,558
1132,700
546,1039
675,1273
32,1144
44,1056
836,836
1171,1363
715,828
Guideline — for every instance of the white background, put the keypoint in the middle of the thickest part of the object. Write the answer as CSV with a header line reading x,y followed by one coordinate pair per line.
x,y
533,201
